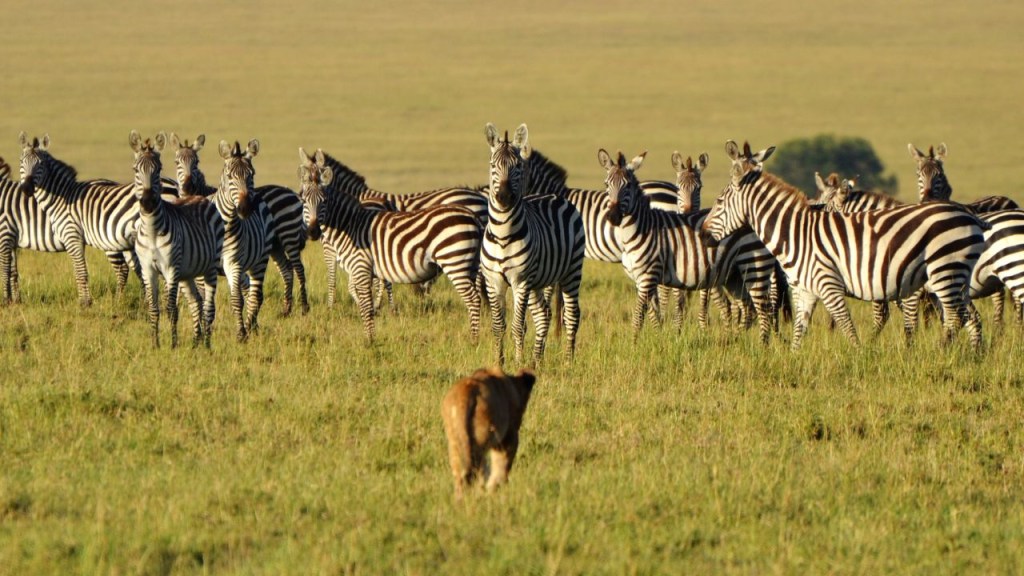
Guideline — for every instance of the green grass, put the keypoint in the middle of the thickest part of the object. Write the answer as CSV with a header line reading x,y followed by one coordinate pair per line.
x,y
307,451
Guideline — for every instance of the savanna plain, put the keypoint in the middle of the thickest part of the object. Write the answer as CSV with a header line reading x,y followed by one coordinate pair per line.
x,y
306,450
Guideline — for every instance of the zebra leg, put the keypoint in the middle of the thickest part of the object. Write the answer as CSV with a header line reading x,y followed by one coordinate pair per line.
x,y
879,315
151,286
643,297
908,306
571,315
998,303
1018,306
835,302
723,305
678,296
237,303
76,250
195,308
6,265
300,274
805,301
659,303
254,301
13,280
520,302
496,288
466,288
702,309
285,267
172,310
973,325
121,271
331,262
541,313
360,284
209,305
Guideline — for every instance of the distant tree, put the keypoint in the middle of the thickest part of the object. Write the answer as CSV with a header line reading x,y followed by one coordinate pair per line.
x,y
796,161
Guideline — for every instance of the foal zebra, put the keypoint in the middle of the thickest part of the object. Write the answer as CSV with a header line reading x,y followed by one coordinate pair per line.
x,y
178,241
400,247
97,213
664,248
530,244
285,209
248,233
877,255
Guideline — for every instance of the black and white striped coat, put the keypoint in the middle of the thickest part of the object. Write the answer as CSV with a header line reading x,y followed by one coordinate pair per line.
x,y
248,233
932,184
530,244
665,249
875,256
23,224
399,247
285,209
177,241
98,213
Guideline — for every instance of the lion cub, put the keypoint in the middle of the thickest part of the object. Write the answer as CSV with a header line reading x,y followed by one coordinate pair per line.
x,y
482,414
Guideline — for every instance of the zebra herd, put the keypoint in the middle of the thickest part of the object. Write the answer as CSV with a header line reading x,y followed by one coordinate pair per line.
x,y
526,232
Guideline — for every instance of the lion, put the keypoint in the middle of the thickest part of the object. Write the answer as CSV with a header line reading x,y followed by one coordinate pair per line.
x,y
482,414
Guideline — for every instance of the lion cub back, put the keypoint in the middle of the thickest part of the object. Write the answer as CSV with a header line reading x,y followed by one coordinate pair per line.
x,y
482,414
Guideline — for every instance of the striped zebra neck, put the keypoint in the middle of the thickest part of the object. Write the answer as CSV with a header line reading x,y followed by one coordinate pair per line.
x,y
545,176
345,213
199,185
771,207
61,184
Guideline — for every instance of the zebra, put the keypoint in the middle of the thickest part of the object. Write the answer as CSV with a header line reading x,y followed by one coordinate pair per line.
x,y
932,184
530,244
996,266
665,249
285,210
98,213
876,255
248,233
400,247
178,241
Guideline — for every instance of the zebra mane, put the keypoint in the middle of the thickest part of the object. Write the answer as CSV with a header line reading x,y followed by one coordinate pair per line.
x,y
544,170
188,200
345,178
5,170
59,166
778,184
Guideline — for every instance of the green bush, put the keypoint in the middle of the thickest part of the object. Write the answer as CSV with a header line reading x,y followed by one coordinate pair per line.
x,y
797,160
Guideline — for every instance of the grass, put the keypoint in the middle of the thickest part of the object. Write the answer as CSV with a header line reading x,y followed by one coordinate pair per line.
x,y
307,451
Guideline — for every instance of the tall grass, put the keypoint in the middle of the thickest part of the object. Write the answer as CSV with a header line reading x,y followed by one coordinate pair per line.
x,y
309,451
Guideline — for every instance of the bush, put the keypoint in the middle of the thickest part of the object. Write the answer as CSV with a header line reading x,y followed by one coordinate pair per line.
x,y
796,161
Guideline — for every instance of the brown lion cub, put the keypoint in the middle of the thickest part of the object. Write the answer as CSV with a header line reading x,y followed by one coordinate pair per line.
x,y
482,414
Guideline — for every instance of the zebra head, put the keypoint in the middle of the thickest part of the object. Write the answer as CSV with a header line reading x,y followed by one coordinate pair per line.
x,y
931,176
147,167
688,180
190,178
35,163
509,167
236,180
315,177
747,161
621,185
832,193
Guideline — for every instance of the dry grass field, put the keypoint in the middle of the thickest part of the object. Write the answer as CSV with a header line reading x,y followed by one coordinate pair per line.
x,y
307,451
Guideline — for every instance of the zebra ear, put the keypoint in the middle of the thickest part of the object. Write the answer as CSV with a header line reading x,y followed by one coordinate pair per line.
x,y
301,172
819,183
303,157
45,144
833,180
940,151
175,141
637,161
764,154
161,141
321,160
677,161
326,175
199,143
732,149
23,139
915,153
492,135
737,171
225,149
848,185
135,141
702,161
521,138
605,159
253,148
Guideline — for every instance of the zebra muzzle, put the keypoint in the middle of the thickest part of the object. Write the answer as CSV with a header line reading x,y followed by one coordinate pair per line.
x,y
614,215
707,238
314,232
27,187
